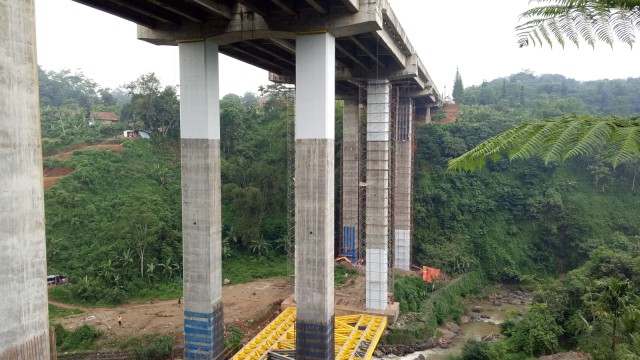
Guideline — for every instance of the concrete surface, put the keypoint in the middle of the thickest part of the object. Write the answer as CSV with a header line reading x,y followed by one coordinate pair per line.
x,y
377,199
351,168
403,185
314,192
201,201
24,329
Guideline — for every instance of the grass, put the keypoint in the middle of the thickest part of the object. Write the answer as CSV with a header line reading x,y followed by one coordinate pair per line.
x,y
56,312
442,306
341,274
243,268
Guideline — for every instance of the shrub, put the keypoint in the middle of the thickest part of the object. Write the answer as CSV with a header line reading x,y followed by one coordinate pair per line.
x,y
82,338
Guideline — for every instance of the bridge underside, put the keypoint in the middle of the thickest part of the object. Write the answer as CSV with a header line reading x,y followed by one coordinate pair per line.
x,y
329,49
370,42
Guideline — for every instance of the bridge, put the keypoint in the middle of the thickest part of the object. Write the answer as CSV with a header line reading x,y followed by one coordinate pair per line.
x,y
355,50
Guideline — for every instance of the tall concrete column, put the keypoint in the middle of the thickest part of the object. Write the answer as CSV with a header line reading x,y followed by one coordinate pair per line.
x,y
24,327
201,203
402,191
377,206
315,134
350,178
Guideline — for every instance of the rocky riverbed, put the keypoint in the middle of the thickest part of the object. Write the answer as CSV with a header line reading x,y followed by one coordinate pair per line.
x,y
481,323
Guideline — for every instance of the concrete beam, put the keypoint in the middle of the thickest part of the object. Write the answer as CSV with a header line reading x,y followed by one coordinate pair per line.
x,y
284,44
387,40
215,7
314,173
350,55
24,329
152,14
352,5
365,50
317,6
122,12
258,8
254,25
174,9
285,6
258,60
201,200
271,53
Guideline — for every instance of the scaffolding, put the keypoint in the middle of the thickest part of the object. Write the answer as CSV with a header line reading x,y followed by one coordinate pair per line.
x,y
356,337
402,178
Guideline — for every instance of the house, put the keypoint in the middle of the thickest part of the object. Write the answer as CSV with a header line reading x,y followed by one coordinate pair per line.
x,y
99,117
134,134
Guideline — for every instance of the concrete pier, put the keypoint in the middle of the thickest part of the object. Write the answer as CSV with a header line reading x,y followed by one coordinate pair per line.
x,y
201,202
24,329
350,178
377,201
314,174
403,184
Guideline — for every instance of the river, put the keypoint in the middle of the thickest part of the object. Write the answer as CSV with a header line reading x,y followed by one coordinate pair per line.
x,y
470,331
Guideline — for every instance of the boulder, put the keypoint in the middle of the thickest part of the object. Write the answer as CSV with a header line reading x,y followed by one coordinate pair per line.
x,y
477,309
452,327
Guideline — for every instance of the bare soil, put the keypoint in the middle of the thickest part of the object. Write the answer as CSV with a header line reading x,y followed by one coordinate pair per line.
x,y
247,306
52,176
451,111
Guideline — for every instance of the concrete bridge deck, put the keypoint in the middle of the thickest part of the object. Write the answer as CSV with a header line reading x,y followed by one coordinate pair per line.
x,y
370,41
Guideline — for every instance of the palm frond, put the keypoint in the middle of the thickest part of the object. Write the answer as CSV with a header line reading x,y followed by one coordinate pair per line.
x,y
589,141
557,139
601,20
624,145
560,142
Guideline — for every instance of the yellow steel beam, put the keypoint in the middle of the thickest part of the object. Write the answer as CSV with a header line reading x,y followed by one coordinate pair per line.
x,y
356,336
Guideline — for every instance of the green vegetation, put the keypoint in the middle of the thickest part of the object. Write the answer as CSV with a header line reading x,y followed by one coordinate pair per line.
x,y
146,347
56,312
82,338
341,273
433,309
244,268
114,223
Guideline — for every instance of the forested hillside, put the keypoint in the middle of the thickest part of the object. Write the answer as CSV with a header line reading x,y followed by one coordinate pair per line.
x,y
523,218
113,223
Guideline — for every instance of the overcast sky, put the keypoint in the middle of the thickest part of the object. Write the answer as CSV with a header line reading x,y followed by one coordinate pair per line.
x,y
475,36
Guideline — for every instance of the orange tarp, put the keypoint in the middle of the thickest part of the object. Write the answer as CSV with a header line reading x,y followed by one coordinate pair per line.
x,y
429,274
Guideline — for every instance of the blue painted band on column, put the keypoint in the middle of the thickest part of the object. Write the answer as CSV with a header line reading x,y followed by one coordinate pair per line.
x,y
315,341
349,243
203,334
198,324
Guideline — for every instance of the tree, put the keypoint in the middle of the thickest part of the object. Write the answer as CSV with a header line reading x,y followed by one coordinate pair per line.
x,y
591,20
559,138
614,297
458,88
153,107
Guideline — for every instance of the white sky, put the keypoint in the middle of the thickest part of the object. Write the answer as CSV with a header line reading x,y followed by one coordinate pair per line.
x,y
476,36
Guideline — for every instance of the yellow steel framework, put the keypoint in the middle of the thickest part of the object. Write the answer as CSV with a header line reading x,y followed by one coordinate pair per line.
x,y
356,337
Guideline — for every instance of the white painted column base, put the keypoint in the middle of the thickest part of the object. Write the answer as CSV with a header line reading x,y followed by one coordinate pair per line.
x,y
377,270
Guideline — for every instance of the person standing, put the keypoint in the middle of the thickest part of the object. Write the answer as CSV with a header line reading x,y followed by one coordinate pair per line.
x,y
119,320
